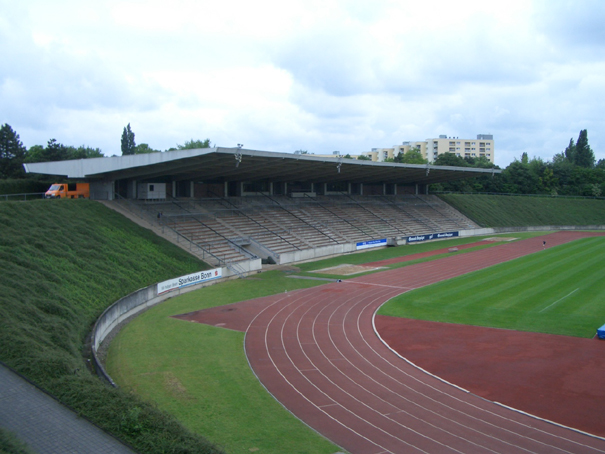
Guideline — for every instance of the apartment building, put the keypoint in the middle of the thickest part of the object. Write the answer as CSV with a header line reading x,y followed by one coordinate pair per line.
x,y
482,146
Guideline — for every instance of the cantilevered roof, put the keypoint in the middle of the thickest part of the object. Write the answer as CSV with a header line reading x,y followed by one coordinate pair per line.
x,y
233,164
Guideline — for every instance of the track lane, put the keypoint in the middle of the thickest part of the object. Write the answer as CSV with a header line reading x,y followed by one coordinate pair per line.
x,y
322,360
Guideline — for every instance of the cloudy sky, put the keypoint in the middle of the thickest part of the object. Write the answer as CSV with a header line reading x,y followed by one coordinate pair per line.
x,y
319,75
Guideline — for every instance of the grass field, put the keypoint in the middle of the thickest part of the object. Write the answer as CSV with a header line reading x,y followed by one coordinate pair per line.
x,y
200,374
557,291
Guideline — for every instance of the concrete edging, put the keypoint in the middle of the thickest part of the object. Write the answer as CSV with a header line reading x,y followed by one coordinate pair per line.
x,y
138,301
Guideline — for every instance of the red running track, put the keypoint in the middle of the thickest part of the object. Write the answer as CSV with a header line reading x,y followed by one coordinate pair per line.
x,y
317,353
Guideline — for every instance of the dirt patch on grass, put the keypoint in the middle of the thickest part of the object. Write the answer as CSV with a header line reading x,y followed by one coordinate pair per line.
x,y
346,270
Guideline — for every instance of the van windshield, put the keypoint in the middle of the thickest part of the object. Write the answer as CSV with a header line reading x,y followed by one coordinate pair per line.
x,y
54,187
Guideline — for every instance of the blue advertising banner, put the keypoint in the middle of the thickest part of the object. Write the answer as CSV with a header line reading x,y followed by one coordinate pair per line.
x,y
372,243
432,236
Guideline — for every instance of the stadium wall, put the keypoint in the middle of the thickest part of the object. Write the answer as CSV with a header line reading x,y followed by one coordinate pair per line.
x,y
140,300
543,228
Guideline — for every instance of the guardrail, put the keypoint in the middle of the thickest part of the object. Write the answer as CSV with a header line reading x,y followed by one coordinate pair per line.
x,y
24,196
514,194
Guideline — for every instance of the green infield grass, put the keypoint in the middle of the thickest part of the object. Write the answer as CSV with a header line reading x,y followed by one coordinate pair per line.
x,y
558,291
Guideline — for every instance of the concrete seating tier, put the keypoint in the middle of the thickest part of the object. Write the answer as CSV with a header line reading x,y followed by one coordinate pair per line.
x,y
283,224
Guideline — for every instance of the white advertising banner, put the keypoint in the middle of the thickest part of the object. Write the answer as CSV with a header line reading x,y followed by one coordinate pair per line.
x,y
190,279
371,244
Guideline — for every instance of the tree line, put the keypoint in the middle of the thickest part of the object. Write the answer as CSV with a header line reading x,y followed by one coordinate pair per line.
x,y
13,154
570,172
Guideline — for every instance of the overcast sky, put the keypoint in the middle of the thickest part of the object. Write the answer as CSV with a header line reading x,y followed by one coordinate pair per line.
x,y
319,75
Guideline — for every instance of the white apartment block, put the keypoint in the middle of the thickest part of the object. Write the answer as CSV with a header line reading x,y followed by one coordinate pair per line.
x,y
482,146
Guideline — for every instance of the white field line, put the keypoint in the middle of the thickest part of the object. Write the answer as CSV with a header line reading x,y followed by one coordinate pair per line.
x,y
560,299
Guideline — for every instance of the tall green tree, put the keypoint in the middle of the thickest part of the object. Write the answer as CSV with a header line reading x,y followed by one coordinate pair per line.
x,y
193,144
570,152
143,148
412,156
584,157
12,153
128,144
84,152
54,151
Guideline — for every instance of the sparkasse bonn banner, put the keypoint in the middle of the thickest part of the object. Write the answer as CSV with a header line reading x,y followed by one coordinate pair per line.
x,y
432,236
190,279
373,243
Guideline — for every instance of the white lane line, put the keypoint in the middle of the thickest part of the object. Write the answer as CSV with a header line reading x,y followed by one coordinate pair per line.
x,y
525,426
560,299
400,410
301,393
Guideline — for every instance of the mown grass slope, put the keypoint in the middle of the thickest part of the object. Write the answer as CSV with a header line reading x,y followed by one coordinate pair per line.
x,y
513,211
557,291
62,263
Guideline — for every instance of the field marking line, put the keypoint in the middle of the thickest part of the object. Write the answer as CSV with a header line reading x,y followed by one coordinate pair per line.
x,y
560,299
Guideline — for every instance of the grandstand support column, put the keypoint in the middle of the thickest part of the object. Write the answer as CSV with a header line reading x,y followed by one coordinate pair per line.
x,y
270,188
191,190
360,188
384,189
417,189
173,188
349,188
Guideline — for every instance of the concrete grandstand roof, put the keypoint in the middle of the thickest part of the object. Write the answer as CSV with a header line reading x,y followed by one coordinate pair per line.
x,y
221,164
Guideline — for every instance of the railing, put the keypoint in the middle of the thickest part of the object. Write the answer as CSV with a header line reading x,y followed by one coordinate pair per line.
x,y
298,217
386,221
24,196
514,194
195,218
339,217
254,220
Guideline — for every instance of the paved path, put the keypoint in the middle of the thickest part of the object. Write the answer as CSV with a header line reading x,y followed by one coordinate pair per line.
x,y
45,425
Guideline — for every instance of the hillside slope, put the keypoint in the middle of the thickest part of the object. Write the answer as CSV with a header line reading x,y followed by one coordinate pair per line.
x,y
62,263
513,211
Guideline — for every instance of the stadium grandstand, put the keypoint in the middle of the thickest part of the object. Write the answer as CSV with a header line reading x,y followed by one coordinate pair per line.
x,y
231,205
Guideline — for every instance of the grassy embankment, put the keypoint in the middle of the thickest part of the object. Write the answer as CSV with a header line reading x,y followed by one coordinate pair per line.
x,y
557,291
9,444
516,211
62,263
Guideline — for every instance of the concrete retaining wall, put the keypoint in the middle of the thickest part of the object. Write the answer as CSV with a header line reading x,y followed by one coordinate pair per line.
x,y
315,253
142,299
543,228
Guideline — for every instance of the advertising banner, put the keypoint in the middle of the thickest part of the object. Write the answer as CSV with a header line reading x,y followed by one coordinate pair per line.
x,y
369,244
432,236
190,279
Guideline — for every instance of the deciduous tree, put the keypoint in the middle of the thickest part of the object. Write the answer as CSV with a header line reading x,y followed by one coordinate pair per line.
x,y
12,153
128,143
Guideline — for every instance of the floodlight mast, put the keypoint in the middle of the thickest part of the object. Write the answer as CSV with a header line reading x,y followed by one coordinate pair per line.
x,y
238,154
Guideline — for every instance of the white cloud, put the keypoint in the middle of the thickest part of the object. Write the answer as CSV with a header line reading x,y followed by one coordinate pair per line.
x,y
318,75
